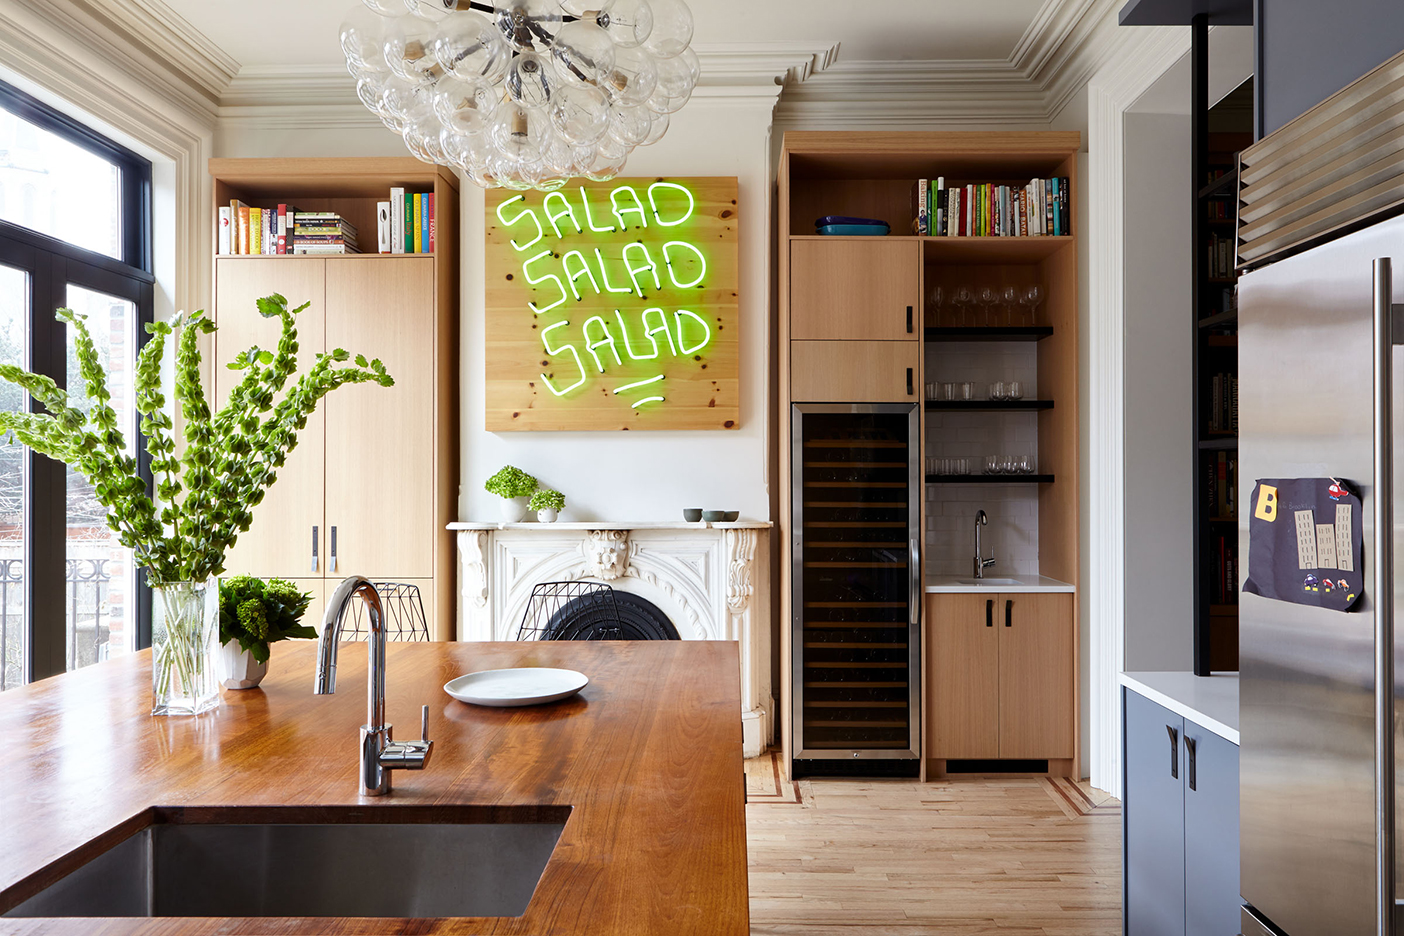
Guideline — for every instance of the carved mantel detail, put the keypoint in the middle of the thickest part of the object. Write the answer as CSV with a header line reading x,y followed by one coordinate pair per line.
x,y
606,554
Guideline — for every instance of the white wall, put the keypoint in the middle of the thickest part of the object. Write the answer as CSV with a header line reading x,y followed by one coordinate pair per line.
x,y
1159,424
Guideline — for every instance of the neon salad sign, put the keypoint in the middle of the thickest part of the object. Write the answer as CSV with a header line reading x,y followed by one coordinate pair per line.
x,y
616,282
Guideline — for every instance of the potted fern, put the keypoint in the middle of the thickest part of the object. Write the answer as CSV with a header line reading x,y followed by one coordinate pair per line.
x,y
205,489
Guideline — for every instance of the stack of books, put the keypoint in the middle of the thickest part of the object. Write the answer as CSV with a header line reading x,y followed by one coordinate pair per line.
x,y
406,223
246,230
1223,406
991,209
1222,256
323,232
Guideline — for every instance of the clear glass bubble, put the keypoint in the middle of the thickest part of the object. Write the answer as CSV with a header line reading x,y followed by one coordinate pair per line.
x,y
678,75
386,7
520,132
633,78
656,129
582,52
605,166
362,39
464,106
528,25
530,81
628,22
429,10
672,28
370,91
580,114
407,48
629,125
469,46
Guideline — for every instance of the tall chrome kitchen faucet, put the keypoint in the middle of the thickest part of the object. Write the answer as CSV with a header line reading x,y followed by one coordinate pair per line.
x,y
981,564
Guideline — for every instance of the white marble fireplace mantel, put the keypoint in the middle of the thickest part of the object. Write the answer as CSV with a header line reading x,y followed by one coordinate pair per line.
x,y
711,579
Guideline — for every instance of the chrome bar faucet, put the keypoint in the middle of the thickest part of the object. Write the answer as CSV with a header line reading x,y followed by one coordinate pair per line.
x,y
981,564
379,754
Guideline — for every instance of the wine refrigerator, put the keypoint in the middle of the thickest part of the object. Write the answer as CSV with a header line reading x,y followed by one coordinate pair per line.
x,y
856,602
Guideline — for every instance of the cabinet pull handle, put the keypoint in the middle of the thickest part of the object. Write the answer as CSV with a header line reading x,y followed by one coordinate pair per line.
x,y
314,548
1174,752
909,382
331,565
1009,613
1189,760
909,320
989,612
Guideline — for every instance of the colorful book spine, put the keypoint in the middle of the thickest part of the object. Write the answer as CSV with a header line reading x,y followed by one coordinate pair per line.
x,y
397,220
226,227
433,220
409,223
418,224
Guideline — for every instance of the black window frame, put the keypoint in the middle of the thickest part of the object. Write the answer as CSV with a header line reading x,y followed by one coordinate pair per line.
x,y
52,265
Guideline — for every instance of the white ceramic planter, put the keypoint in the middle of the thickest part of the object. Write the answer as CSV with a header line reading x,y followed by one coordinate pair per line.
x,y
546,515
238,669
514,509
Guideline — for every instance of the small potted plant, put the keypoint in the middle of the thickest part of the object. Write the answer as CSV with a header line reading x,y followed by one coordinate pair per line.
x,y
547,504
254,613
514,486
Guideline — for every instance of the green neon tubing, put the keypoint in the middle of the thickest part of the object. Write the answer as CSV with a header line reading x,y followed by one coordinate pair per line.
x,y
662,326
524,213
541,279
554,351
589,220
608,339
624,330
691,204
566,212
604,275
647,265
706,330
637,209
702,274
638,383
583,271
648,399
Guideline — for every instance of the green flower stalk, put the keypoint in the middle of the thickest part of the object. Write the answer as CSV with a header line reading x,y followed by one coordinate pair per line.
x,y
206,493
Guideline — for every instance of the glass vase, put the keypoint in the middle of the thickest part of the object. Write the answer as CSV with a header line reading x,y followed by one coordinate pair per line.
x,y
184,639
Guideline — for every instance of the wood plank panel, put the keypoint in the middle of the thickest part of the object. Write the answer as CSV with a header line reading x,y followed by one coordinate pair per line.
x,y
279,541
963,676
380,441
1036,689
854,371
855,289
614,343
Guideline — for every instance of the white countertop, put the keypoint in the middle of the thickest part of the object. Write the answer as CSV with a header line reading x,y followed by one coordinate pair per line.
x,y
615,525
1210,701
1008,584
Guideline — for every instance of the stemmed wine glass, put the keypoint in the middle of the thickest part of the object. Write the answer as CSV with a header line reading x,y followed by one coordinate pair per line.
x,y
1011,297
987,298
935,299
962,298
1031,297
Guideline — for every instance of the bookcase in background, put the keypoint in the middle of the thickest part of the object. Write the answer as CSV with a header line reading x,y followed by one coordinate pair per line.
x,y
375,471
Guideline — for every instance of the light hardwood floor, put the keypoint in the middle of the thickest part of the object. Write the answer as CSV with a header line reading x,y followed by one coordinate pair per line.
x,y
953,857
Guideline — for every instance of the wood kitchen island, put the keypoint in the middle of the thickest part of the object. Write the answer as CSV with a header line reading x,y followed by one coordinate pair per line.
x,y
647,757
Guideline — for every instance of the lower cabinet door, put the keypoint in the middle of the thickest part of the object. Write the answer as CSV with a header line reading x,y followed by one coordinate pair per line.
x,y
1035,676
1210,776
962,659
855,371
1154,815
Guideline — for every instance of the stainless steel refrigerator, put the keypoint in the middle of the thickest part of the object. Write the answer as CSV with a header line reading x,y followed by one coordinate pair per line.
x,y
1317,399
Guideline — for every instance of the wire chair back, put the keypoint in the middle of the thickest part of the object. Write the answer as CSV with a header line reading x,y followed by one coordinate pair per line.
x,y
571,611
402,609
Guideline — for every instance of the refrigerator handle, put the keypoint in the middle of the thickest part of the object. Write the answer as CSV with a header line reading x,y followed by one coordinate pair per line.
x,y
1383,351
914,588
1174,752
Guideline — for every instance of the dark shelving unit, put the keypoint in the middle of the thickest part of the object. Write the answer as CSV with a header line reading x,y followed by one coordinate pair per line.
x,y
969,406
990,333
990,479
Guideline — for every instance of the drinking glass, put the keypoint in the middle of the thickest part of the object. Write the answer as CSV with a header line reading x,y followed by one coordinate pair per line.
x,y
1015,390
987,297
935,299
1026,465
962,298
997,391
967,391
948,391
1010,297
962,466
931,391
1031,298
991,464
1006,464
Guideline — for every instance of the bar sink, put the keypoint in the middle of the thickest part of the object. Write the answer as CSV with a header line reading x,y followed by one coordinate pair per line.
x,y
284,861
989,581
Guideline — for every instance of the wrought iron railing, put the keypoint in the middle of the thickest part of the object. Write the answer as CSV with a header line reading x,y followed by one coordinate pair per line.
x,y
88,617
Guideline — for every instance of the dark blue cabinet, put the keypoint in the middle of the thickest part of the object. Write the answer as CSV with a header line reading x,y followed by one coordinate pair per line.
x,y
1180,815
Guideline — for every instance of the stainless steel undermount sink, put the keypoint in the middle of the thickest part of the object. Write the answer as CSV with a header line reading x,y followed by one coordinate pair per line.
x,y
989,581
400,861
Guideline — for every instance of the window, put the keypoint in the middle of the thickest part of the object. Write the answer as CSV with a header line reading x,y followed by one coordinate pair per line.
x,y
75,217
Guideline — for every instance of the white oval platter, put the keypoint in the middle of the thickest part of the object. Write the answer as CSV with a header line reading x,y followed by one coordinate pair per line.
x,y
526,685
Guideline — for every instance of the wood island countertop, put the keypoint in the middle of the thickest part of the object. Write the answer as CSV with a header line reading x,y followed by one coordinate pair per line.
x,y
648,757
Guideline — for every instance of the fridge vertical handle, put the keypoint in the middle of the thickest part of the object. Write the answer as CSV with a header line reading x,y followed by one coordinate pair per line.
x,y
914,587
1384,595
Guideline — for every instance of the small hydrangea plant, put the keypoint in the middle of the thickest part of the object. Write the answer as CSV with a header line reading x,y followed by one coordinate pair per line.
x,y
510,482
258,613
547,499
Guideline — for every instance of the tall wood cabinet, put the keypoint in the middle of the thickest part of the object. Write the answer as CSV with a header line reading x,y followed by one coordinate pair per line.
x,y
372,483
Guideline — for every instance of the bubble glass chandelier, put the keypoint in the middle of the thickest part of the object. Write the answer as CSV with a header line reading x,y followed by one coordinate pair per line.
x,y
523,93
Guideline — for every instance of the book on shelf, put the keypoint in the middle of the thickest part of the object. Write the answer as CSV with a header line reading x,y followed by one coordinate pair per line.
x,y
990,209
226,229
406,223
1223,403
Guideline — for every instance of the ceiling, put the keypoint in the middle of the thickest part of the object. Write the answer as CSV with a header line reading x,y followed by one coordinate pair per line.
x,y
304,32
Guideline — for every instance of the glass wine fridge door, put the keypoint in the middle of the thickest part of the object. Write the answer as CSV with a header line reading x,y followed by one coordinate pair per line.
x,y
856,576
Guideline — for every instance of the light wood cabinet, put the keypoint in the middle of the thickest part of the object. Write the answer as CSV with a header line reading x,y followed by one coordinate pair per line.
x,y
1000,676
375,470
861,288
855,371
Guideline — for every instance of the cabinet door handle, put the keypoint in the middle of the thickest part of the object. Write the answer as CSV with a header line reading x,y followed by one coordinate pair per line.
x,y
910,390
1174,752
1009,613
314,548
909,320
1189,760
331,546
989,612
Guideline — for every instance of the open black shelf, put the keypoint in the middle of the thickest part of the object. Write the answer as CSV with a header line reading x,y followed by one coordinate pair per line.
x,y
1227,443
990,333
972,405
1222,318
1222,187
990,479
